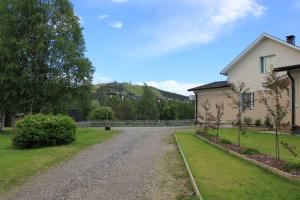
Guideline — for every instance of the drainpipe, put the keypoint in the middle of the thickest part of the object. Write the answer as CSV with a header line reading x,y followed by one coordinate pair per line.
x,y
293,100
196,108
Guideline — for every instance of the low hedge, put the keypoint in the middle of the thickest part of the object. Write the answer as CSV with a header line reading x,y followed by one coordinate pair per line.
x,y
250,151
35,131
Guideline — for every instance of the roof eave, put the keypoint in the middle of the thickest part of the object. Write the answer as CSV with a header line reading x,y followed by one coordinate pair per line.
x,y
252,45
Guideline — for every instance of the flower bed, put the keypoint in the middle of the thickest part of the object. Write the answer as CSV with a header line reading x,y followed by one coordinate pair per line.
x,y
292,169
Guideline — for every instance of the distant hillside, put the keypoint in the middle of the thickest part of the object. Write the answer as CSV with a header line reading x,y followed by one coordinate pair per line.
x,y
127,89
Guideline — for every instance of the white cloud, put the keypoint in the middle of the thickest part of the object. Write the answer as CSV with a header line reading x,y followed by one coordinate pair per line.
x,y
99,78
116,24
172,86
229,11
190,23
101,17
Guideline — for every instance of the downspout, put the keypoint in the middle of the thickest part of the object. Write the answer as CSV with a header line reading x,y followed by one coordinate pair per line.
x,y
293,99
196,108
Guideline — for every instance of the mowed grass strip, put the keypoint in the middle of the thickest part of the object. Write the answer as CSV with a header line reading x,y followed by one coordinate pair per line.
x,y
220,175
17,165
264,142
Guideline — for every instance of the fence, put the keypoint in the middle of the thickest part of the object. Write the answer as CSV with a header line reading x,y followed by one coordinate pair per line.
x,y
136,123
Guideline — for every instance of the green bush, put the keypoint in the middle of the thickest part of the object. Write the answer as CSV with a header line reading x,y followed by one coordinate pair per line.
x,y
101,113
44,130
225,141
247,120
291,166
258,122
250,151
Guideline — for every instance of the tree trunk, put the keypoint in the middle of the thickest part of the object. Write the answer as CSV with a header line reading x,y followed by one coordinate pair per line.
x,y
277,143
2,121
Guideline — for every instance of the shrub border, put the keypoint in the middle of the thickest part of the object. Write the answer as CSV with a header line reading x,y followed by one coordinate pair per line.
x,y
252,161
196,189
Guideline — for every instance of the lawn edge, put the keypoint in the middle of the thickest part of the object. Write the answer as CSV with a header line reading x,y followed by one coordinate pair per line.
x,y
268,168
195,187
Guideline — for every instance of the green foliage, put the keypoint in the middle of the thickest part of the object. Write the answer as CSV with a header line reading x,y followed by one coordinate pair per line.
x,y
291,166
44,130
101,113
250,151
148,106
168,112
247,120
258,122
225,141
43,67
126,110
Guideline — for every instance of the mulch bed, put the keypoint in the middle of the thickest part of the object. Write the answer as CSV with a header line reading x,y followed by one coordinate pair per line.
x,y
260,157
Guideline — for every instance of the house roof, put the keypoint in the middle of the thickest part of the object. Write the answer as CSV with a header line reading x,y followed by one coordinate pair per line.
x,y
217,84
254,44
286,68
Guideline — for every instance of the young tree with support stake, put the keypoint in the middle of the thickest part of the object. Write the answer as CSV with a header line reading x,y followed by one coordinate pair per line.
x,y
237,91
272,98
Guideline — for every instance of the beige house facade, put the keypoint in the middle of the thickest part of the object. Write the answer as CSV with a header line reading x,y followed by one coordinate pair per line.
x,y
251,66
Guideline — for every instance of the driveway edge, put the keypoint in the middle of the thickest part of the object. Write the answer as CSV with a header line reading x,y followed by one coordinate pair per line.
x,y
195,187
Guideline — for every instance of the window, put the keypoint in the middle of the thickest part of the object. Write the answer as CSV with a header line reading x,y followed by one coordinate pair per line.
x,y
265,63
247,100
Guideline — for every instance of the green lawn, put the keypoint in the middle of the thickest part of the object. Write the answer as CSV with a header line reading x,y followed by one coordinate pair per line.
x,y
263,142
17,165
222,176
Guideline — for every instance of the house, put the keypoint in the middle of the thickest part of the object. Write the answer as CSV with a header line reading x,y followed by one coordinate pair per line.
x,y
250,67
293,72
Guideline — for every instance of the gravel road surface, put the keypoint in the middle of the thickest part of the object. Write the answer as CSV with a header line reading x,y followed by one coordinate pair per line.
x,y
124,168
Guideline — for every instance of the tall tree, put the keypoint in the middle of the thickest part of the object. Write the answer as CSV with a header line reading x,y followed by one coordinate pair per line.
x,y
42,57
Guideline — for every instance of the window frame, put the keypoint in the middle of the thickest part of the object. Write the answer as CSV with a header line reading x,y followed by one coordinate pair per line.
x,y
263,65
246,105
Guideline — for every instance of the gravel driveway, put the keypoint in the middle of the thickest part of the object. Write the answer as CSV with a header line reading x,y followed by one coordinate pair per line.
x,y
126,167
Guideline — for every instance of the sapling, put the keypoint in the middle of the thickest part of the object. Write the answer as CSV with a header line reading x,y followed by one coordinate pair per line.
x,y
272,98
206,116
218,117
237,90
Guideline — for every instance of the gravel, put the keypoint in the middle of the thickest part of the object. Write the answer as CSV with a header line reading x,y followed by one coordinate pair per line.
x,y
126,167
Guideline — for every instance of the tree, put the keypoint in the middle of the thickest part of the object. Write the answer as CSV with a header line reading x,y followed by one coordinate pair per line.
x,y
148,108
126,110
101,113
238,103
43,67
168,112
218,117
207,116
272,98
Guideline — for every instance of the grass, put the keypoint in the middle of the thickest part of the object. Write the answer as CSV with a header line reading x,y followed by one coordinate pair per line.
x,y
222,176
264,142
180,182
16,166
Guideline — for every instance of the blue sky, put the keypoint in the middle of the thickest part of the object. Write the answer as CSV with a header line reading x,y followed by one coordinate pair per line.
x,y
177,44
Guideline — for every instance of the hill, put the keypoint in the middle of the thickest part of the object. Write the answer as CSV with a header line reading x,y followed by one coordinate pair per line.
x,y
134,91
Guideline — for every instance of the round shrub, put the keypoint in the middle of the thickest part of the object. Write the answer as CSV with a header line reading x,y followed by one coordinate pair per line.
x,y
101,113
44,130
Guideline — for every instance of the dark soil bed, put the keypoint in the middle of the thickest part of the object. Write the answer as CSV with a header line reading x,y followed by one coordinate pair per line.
x,y
260,157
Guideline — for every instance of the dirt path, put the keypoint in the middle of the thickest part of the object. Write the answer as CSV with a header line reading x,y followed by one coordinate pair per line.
x,y
126,167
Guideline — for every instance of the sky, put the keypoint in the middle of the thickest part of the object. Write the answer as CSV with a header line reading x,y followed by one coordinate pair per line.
x,y
177,44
